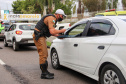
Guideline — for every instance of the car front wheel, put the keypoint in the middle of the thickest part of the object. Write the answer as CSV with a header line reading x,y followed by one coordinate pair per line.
x,y
55,59
110,74
15,46
5,42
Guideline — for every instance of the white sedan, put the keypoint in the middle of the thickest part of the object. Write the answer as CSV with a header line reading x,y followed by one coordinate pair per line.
x,y
19,34
95,47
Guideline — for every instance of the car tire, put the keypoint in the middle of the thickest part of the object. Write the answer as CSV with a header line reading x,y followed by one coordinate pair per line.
x,y
55,59
5,43
15,45
110,74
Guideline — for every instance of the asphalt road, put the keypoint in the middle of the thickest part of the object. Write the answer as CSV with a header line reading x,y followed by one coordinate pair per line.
x,y
22,67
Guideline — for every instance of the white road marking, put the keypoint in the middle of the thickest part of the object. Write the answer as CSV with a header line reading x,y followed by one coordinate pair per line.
x,y
1,62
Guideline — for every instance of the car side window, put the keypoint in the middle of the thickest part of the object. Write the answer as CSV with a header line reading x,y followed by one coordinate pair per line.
x,y
99,29
77,31
12,27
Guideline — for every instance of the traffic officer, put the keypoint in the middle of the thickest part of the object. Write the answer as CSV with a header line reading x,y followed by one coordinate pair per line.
x,y
1,28
45,28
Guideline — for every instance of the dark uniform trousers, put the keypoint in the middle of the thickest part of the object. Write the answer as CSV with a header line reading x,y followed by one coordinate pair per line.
x,y
42,49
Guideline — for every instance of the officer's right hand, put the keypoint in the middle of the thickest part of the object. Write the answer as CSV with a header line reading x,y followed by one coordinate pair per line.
x,y
63,30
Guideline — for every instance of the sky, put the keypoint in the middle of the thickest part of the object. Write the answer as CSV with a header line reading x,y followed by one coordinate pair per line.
x,y
6,4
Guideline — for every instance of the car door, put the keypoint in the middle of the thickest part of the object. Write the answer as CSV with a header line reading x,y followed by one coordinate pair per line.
x,y
11,32
7,34
94,44
69,46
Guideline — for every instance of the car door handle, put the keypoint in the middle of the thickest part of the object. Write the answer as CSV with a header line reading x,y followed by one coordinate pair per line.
x,y
101,47
75,45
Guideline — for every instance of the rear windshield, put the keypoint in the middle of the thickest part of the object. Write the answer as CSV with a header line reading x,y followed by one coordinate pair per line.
x,y
99,15
27,27
110,15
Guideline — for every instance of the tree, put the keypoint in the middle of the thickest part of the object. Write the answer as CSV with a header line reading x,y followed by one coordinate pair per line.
x,y
103,5
74,9
124,3
80,10
41,3
47,3
66,7
37,6
92,5
50,2
115,4
29,10
17,6
28,6
112,4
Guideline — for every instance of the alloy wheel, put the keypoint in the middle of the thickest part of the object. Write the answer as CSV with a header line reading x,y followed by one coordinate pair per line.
x,y
54,59
110,77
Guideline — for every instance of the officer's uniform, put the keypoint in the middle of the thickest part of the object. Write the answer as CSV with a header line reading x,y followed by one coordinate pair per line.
x,y
40,33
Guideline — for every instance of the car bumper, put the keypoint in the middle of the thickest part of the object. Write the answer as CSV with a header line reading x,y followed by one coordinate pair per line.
x,y
28,42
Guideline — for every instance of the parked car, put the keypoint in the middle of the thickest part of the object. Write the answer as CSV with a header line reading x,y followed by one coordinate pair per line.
x,y
19,34
2,32
94,47
111,12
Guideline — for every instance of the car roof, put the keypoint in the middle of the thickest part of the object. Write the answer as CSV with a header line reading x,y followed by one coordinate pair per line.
x,y
116,19
103,17
23,23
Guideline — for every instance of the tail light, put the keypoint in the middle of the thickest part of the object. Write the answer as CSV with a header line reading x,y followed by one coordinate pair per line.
x,y
69,25
18,32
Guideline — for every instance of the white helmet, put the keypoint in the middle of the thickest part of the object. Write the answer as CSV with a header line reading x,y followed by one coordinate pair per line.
x,y
60,11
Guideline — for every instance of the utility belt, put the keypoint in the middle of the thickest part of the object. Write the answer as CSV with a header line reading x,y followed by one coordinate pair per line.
x,y
38,34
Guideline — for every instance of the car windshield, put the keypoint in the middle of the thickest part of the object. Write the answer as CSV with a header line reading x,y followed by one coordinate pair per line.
x,y
27,27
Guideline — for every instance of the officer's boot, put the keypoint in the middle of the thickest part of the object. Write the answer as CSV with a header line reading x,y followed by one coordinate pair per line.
x,y
45,74
52,74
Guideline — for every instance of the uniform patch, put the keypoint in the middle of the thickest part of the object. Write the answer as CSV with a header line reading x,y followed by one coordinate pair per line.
x,y
54,26
54,21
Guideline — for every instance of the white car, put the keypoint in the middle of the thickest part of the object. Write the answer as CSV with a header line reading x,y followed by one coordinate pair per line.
x,y
62,25
19,34
95,47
